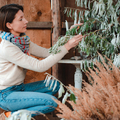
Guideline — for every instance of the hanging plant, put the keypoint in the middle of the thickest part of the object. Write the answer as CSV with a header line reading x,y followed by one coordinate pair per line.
x,y
101,29
61,91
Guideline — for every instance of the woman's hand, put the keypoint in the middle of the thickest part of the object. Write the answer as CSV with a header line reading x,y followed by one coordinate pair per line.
x,y
73,42
76,25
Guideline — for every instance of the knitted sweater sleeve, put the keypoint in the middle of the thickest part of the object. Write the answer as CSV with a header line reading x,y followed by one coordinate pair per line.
x,y
38,51
14,55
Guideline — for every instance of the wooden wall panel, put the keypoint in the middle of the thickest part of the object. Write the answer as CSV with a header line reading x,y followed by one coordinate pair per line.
x,y
42,38
14,1
3,2
38,10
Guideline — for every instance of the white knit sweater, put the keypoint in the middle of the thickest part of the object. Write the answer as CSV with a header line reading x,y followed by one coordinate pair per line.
x,y
13,62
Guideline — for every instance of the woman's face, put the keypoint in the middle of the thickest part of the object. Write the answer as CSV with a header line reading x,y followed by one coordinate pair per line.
x,y
19,24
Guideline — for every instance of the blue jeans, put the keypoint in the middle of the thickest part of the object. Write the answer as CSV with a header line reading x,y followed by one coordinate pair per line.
x,y
32,96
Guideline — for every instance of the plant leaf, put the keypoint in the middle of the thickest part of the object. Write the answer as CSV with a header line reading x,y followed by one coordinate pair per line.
x,y
73,98
61,91
65,97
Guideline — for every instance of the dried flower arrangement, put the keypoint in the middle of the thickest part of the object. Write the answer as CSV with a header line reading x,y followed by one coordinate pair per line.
x,y
98,101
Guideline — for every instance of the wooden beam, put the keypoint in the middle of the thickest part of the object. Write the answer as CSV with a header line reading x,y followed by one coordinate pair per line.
x,y
39,25
45,25
69,24
56,19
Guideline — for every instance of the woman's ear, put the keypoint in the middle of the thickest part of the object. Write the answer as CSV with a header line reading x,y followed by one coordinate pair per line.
x,y
8,25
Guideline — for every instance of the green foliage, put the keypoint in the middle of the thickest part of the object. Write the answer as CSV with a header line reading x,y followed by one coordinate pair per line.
x,y
101,27
73,98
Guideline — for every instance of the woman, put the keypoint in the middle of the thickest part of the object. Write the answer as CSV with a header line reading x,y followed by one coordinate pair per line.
x,y
15,51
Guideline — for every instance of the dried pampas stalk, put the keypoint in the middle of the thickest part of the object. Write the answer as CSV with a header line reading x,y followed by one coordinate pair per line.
x,y
99,101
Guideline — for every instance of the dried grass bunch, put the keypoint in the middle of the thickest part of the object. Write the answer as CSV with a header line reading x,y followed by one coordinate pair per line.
x,y
99,101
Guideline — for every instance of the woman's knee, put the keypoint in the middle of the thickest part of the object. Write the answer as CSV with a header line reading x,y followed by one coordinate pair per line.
x,y
54,103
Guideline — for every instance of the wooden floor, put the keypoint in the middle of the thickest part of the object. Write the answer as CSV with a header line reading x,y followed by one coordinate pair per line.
x,y
50,116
